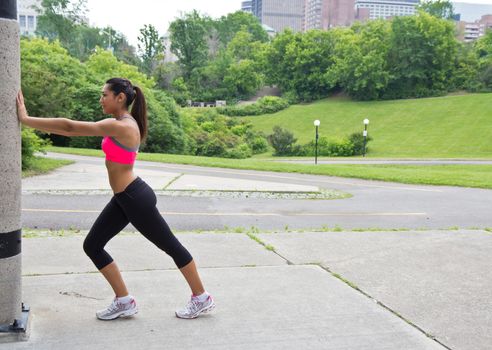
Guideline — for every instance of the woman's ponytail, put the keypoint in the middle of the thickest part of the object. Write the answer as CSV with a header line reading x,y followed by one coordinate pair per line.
x,y
134,96
139,112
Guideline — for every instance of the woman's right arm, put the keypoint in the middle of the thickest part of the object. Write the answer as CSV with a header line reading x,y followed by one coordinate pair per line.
x,y
60,126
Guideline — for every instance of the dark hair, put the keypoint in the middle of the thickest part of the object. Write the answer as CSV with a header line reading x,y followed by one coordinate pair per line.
x,y
133,95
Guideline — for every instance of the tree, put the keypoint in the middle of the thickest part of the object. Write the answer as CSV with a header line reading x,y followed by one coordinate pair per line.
x,y
297,63
188,41
64,20
50,77
228,26
483,53
242,79
59,18
421,56
244,46
438,8
150,46
361,60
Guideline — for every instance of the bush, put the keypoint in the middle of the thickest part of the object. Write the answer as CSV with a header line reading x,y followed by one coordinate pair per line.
x,y
265,105
31,143
214,147
357,140
258,144
282,141
272,104
346,147
341,148
239,152
205,127
179,91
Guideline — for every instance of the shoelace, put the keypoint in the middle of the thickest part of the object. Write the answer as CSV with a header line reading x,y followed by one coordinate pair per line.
x,y
193,305
115,305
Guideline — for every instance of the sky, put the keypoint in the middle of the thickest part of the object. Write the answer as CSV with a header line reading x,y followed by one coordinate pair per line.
x,y
128,18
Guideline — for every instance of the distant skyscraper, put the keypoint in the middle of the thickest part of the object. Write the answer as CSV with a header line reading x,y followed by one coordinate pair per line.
x,y
246,6
387,8
471,31
326,14
279,14
472,12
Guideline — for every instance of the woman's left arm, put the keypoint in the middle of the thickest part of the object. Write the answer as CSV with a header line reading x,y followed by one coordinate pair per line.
x,y
68,127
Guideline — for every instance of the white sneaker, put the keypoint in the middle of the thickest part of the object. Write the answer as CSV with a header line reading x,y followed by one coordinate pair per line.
x,y
118,309
194,308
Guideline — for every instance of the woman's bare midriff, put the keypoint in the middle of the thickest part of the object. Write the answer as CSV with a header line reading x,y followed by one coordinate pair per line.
x,y
120,175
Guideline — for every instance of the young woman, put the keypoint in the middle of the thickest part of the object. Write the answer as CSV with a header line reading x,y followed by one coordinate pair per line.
x,y
133,201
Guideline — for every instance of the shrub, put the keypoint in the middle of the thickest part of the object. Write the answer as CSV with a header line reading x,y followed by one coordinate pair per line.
x,y
258,144
214,147
357,140
338,148
204,127
239,130
272,104
347,147
239,152
341,148
282,141
265,105
31,143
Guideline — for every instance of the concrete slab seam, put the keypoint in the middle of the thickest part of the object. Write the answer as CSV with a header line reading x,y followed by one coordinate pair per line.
x,y
173,180
352,285
247,266
268,247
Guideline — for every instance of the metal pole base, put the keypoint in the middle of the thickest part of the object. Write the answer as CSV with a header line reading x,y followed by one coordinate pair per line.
x,y
18,330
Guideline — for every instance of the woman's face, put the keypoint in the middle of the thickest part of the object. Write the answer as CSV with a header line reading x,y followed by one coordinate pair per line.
x,y
110,102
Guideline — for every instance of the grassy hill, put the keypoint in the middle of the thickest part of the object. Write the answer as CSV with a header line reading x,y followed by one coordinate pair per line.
x,y
457,126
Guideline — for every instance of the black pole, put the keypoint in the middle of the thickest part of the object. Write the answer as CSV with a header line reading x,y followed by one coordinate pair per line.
x,y
8,9
365,137
316,148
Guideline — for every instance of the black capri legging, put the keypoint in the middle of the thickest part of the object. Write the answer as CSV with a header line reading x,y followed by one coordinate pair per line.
x,y
135,205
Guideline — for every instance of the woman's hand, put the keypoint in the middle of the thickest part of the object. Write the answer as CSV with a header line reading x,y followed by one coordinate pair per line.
x,y
21,108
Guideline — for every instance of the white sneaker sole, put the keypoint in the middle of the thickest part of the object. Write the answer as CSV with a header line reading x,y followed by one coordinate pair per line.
x,y
123,314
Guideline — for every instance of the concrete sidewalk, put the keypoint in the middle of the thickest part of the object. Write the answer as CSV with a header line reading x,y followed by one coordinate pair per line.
x,y
262,301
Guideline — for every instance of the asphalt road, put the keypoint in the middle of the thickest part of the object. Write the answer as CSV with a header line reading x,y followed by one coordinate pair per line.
x,y
373,204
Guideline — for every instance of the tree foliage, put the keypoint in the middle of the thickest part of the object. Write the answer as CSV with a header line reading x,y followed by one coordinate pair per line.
x,y
438,8
228,26
63,20
188,41
151,47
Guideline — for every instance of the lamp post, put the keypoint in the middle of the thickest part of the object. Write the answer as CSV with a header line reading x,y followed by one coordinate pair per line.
x,y
110,48
316,124
13,313
366,122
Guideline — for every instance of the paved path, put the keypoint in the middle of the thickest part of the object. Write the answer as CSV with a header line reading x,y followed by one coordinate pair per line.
x,y
372,204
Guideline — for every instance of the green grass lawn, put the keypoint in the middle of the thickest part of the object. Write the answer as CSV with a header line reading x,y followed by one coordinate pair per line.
x,y
457,126
452,175
41,166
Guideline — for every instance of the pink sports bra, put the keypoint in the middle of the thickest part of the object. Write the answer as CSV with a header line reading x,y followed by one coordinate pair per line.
x,y
116,152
